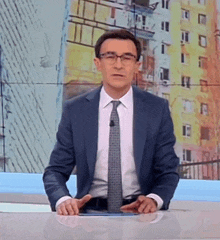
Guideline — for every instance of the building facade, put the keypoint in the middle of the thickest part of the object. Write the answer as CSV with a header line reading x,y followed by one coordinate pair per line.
x,y
46,57
88,20
180,62
195,94
29,61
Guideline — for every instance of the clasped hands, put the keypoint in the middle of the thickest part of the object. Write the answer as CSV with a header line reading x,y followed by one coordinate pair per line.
x,y
73,206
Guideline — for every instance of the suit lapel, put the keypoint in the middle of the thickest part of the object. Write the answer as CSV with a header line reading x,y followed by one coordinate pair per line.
x,y
91,127
140,126
140,123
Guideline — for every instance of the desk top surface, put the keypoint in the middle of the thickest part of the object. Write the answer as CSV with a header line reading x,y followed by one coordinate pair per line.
x,y
172,224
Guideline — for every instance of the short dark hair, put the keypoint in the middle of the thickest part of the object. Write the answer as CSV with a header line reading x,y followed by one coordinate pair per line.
x,y
117,34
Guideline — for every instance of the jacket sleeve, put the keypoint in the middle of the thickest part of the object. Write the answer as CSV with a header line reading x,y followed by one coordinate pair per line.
x,y
165,160
62,161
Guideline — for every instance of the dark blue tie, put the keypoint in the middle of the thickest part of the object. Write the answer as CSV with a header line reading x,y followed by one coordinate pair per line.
x,y
114,162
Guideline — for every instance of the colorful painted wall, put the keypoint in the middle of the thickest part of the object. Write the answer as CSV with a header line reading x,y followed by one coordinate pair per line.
x,y
180,62
46,57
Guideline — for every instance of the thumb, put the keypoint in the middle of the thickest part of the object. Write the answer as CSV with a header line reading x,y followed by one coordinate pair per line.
x,y
84,200
129,206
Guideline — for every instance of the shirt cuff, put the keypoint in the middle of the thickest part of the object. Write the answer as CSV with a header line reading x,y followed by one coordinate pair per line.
x,y
62,199
157,199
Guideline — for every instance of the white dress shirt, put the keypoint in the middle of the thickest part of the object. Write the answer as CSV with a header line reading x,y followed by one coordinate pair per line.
x,y
130,185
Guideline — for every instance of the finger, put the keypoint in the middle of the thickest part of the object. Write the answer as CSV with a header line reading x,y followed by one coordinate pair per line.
x,y
75,208
141,198
70,209
147,209
153,204
142,206
59,212
84,200
153,209
63,210
130,206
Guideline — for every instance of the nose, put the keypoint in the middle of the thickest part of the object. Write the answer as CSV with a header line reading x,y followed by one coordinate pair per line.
x,y
118,63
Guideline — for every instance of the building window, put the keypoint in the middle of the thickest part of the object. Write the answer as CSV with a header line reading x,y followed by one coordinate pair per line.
x,y
187,155
165,4
113,12
163,48
185,82
204,85
138,18
202,19
144,43
184,37
184,58
186,130
204,109
165,26
185,14
204,133
164,74
202,41
203,62
139,2
143,22
148,65
187,106
203,2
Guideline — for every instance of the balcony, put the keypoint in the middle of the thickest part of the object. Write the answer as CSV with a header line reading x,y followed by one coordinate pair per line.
x,y
142,6
208,170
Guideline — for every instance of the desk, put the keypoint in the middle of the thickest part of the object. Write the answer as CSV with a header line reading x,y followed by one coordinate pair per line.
x,y
194,215
171,224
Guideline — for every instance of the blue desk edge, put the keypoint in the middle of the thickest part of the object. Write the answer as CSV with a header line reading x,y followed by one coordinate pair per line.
x,y
31,183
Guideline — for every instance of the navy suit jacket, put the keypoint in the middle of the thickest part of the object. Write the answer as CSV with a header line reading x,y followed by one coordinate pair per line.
x,y
77,141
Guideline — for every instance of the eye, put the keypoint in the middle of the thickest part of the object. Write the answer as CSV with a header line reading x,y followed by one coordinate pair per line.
x,y
127,57
110,56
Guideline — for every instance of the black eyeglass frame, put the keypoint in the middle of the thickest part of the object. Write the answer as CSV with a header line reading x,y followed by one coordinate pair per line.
x,y
103,55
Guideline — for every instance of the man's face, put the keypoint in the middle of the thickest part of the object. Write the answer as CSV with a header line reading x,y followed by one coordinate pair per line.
x,y
118,74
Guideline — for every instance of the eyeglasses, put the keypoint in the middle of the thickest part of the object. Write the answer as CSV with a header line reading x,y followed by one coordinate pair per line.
x,y
112,57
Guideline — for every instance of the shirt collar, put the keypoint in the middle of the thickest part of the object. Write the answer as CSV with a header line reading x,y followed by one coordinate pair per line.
x,y
126,100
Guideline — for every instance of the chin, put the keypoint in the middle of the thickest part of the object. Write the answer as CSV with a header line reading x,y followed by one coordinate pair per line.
x,y
120,86
119,83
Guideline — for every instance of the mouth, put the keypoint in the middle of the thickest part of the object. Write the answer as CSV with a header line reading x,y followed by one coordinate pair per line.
x,y
117,75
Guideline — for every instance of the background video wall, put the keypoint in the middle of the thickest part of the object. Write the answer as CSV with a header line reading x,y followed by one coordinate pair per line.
x,y
47,57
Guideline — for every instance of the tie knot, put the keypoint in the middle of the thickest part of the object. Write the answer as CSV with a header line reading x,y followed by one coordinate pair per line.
x,y
115,104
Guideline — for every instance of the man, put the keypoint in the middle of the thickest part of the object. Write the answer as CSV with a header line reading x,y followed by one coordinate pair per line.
x,y
145,174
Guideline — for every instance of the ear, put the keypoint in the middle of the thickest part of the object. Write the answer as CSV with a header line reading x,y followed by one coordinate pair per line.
x,y
137,66
97,63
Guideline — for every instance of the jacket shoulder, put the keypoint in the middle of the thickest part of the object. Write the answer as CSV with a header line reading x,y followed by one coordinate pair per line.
x,y
80,99
149,97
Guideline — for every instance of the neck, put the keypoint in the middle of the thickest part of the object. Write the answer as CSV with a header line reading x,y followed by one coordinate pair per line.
x,y
116,93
